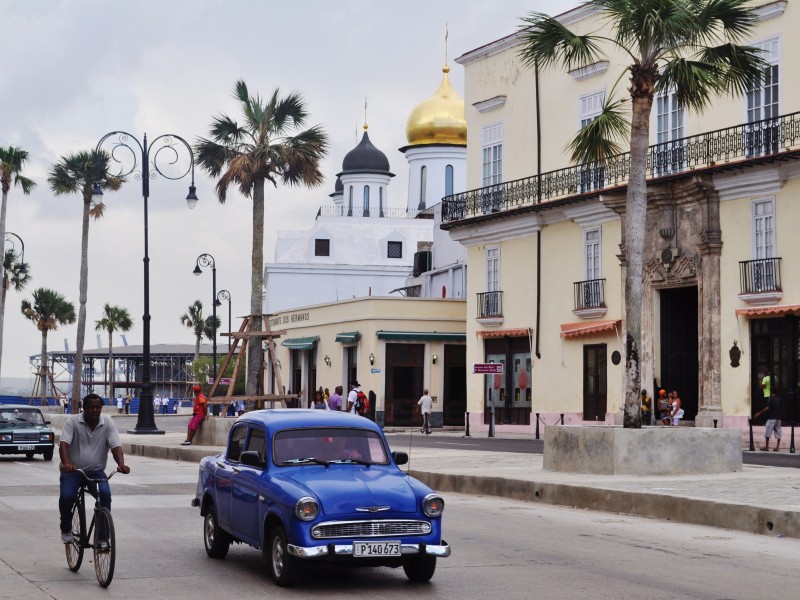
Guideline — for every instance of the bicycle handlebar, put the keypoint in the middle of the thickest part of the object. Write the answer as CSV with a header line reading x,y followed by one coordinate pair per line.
x,y
90,480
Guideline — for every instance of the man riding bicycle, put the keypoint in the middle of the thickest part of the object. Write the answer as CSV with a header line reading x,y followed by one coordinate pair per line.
x,y
85,441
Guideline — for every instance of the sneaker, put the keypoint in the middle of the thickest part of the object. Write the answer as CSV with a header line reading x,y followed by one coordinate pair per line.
x,y
774,449
186,443
67,537
102,546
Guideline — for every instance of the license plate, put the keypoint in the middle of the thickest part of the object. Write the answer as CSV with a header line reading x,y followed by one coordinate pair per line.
x,y
25,448
387,548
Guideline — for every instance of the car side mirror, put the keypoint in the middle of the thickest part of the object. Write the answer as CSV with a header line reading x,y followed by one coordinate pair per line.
x,y
400,458
251,458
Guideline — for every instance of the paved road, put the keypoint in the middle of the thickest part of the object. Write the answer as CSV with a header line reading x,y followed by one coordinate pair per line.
x,y
502,549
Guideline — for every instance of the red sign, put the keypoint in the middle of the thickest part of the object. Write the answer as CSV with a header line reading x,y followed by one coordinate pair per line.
x,y
222,381
488,368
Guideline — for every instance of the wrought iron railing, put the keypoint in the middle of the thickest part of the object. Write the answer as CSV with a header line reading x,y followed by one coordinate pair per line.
x,y
490,304
393,212
589,294
714,148
760,275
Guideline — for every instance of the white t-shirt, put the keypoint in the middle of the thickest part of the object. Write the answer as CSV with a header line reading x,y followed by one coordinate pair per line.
x,y
426,402
352,400
119,401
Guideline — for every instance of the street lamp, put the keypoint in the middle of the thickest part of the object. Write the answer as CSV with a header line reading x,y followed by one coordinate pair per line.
x,y
127,150
23,267
207,260
225,295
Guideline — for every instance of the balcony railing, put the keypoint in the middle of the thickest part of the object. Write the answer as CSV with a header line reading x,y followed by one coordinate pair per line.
x,y
759,276
393,212
490,304
715,148
589,294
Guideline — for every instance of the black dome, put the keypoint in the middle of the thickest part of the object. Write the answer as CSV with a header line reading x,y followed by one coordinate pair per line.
x,y
365,158
338,188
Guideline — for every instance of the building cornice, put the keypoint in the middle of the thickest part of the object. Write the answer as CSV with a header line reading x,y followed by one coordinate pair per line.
x,y
771,10
493,232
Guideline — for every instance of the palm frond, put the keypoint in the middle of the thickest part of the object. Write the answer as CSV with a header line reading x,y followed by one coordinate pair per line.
x,y
720,20
740,66
546,42
598,140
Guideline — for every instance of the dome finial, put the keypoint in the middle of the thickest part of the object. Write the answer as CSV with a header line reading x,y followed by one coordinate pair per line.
x,y
446,34
365,114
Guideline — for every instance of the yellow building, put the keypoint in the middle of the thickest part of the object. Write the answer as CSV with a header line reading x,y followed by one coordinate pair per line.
x,y
393,347
543,240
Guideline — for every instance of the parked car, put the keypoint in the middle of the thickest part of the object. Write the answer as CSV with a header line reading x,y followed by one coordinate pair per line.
x,y
23,430
315,486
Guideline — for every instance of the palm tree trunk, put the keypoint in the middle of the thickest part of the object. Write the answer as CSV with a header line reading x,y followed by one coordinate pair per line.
x,y
3,293
2,252
77,373
197,339
635,223
43,370
110,367
254,353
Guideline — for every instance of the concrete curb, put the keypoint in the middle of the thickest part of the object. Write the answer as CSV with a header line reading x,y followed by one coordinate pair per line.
x,y
752,519
181,453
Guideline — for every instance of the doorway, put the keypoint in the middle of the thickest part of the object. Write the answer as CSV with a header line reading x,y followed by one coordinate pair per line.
x,y
454,402
404,375
595,396
679,343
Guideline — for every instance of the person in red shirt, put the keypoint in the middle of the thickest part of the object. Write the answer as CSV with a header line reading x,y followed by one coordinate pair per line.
x,y
199,414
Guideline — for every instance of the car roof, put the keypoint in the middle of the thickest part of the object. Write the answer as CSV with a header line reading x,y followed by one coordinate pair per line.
x,y
18,407
290,418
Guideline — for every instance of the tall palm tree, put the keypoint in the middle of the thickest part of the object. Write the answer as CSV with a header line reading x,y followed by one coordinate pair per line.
x,y
48,310
76,174
688,47
269,145
115,318
200,326
12,160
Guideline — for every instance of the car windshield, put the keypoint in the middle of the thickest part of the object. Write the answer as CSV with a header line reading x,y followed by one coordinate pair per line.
x,y
20,417
328,445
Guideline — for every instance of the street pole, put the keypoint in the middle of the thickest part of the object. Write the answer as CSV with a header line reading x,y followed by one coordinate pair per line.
x,y
206,260
123,149
226,295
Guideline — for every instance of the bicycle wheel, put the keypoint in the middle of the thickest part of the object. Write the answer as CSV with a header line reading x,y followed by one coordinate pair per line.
x,y
104,546
75,548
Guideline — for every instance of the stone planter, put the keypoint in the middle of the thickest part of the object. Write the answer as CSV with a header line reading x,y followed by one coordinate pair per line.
x,y
612,450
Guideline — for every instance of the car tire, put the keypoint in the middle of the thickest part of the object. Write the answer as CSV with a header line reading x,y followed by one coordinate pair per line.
x,y
217,541
419,568
283,567
48,454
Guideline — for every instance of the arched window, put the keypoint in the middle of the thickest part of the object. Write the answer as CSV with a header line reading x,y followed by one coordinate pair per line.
x,y
423,184
380,201
366,201
350,203
448,180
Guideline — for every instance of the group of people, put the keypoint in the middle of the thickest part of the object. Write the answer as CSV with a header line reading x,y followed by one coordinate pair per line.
x,y
324,400
669,408
123,404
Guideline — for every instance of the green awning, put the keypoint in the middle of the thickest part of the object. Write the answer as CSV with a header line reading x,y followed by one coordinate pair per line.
x,y
304,343
348,337
421,336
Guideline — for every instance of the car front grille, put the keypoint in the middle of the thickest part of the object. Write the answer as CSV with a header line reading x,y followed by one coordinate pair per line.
x,y
26,436
368,529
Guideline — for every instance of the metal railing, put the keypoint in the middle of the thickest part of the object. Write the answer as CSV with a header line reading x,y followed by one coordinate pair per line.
x,y
393,212
712,149
589,293
760,275
490,304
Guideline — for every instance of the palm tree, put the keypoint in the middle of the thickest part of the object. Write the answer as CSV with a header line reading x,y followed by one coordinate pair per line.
x,y
115,318
12,160
48,310
270,145
688,47
193,319
76,174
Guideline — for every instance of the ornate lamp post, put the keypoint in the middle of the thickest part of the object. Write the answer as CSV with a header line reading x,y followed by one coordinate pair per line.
x,y
225,295
141,157
206,260
24,268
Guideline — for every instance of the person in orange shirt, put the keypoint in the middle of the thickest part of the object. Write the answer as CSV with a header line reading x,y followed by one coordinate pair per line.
x,y
199,414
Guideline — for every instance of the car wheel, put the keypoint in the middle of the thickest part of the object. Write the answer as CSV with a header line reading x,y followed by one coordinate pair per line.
x,y
419,568
48,454
282,565
215,539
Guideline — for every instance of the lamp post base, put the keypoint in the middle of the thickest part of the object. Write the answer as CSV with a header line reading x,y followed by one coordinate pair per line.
x,y
146,431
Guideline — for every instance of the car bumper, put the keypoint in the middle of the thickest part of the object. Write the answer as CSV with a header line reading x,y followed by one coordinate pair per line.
x,y
333,550
23,447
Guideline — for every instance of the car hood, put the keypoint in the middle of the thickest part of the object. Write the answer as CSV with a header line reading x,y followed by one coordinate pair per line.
x,y
343,489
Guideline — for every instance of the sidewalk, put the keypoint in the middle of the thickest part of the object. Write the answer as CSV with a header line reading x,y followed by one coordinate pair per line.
x,y
759,499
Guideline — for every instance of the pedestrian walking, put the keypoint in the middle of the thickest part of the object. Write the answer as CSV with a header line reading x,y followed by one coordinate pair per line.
x,y
426,406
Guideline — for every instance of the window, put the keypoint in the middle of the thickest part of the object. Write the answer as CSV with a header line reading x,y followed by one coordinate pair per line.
x,y
669,153
395,250
590,176
322,247
365,211
258,443
380,201
764,228
762,98
423,191
591,254
236,443
591,106
350,203
493,269
448,180
492,144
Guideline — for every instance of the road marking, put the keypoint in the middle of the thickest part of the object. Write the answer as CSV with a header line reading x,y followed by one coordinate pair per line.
x,y
454,444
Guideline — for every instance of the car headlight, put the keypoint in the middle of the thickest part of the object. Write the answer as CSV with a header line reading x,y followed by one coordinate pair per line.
x,y
6,437
433,505
46,437
306,509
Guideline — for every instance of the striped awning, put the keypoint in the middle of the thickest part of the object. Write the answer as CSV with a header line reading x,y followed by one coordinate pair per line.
x,y
578,329
421,336
491,333
348,337
303,343
769,311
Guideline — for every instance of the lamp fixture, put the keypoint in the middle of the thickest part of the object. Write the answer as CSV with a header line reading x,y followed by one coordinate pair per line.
x,y
278,362
371,358
434,358
327,360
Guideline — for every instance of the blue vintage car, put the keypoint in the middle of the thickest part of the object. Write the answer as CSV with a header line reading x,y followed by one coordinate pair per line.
x,y
315,486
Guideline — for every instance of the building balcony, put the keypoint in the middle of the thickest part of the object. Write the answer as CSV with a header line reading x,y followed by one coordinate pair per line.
x,y
760,281
590,299
393,212
745,144
490,309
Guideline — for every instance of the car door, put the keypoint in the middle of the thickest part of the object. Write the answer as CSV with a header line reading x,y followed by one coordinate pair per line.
x,y
247,508
227,469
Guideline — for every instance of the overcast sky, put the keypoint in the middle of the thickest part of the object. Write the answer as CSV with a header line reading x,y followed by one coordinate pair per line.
x,y
77,69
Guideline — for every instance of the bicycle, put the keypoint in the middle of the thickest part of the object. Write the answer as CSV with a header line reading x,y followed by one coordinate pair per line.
x,y
104,546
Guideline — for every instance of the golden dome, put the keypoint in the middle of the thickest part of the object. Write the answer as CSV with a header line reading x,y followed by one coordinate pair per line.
x,y
439,119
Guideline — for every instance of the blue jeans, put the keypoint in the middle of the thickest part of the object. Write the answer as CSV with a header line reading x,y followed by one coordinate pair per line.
x,y
69,484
